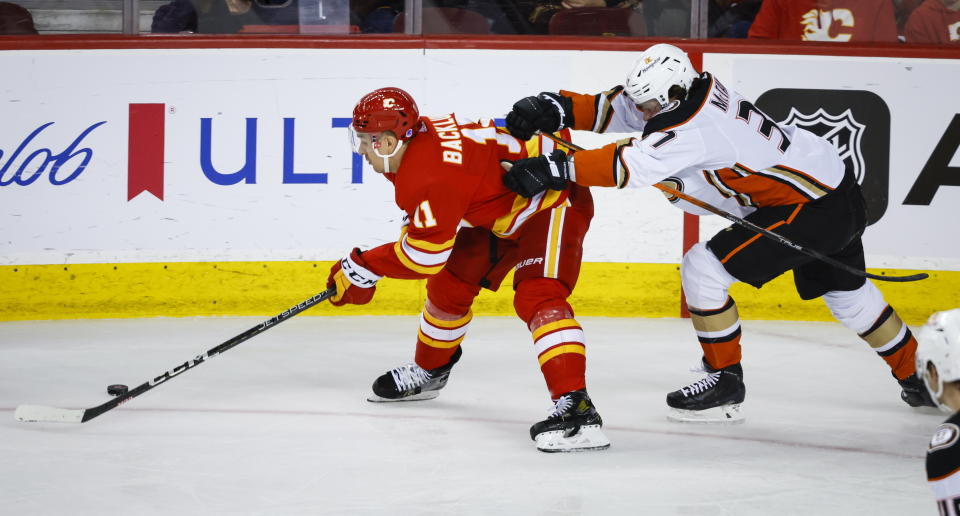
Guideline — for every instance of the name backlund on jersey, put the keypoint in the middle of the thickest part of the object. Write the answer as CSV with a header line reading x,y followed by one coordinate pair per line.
x,y
450,177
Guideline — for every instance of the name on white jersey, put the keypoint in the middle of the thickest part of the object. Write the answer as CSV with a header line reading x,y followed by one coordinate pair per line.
x,y
720,97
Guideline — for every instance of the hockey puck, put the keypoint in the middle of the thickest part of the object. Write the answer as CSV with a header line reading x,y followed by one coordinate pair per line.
x,y
117,389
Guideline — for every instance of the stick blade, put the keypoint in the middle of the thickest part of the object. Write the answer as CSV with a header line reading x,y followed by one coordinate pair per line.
x,y
44,414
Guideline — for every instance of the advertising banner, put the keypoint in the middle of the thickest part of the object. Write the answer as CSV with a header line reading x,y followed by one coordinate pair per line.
x,y
242,154
192,155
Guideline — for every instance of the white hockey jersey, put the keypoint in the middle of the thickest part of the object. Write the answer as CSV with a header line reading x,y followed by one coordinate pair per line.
x,y
715,146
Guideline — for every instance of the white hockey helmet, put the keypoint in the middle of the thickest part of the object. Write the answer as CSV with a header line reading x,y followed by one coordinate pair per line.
x,y
938,343
656,70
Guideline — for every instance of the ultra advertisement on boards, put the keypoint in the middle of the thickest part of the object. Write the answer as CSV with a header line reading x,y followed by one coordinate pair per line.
x,y
122,155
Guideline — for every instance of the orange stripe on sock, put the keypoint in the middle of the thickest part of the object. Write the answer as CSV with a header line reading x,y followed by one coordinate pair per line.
x,y
902,361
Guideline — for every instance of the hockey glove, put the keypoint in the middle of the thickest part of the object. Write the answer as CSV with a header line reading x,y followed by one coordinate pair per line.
x,y
355,282
547,112
530,176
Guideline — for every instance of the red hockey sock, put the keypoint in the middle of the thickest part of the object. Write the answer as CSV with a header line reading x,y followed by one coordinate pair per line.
x,y
438,339
562,356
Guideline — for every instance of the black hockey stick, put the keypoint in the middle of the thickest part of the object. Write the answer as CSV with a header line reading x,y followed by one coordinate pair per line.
x,y
40,413
765,232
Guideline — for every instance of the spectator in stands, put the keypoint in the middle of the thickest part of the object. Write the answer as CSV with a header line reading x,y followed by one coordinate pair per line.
x,y
15,19
667,18
826,20
221,16
375,16
731,18
935,21
539,13
504,15
902,10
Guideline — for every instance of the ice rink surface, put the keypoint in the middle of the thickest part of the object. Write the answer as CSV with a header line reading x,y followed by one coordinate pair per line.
x,y
280,425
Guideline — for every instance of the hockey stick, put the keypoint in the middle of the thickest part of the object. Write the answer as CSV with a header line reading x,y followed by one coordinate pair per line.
x,y
43,414
765,232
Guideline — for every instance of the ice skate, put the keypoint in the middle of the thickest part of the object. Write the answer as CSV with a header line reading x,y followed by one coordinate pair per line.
x,y
574,425
411,382
914,393
713,399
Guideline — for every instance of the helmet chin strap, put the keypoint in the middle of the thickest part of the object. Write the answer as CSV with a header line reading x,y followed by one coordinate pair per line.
x,y
936,395
386,157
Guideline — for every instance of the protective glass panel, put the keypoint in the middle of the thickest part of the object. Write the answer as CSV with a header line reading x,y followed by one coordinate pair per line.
x,y
936,22
841,21
325,17
572,18
237,16
61,17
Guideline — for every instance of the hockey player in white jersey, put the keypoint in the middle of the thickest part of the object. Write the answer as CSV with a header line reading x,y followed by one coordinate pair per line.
x,y
938,361
698,136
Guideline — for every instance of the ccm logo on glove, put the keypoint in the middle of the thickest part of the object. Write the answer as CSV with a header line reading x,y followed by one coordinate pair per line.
x,y
355,282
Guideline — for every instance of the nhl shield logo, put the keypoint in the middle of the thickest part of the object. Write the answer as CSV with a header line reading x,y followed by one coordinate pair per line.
x,y
856,122
843,131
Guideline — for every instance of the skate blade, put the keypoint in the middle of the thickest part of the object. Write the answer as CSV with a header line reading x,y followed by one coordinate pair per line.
x,y
428,395
724,414
589,438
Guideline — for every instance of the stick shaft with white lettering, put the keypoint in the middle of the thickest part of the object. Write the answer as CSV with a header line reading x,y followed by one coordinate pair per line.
x,y
39,413
763,231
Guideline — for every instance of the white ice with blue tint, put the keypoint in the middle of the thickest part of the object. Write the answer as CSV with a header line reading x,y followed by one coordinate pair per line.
x,y
280,425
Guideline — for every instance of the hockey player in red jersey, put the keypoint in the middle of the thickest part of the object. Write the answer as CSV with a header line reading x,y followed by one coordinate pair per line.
x,y
466,231
713,144
938,360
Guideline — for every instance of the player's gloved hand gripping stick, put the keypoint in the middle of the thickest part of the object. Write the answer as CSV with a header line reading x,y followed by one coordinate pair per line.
x,y
39,413
550,179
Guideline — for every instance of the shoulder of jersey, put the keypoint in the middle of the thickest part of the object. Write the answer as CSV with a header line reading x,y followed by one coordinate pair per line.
x,y
683,111
425,160
943,454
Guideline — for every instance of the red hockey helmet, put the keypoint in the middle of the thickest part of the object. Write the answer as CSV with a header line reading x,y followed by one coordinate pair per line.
x,y
387,109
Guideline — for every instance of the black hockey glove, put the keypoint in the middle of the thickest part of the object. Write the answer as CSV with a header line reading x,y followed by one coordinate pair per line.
x,y
547,112
530,176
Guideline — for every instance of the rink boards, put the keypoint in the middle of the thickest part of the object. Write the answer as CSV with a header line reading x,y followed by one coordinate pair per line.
x,y
197,181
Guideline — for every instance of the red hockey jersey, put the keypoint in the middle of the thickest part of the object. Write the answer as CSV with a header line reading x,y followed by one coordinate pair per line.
x,y
826,20
450,177
932,22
